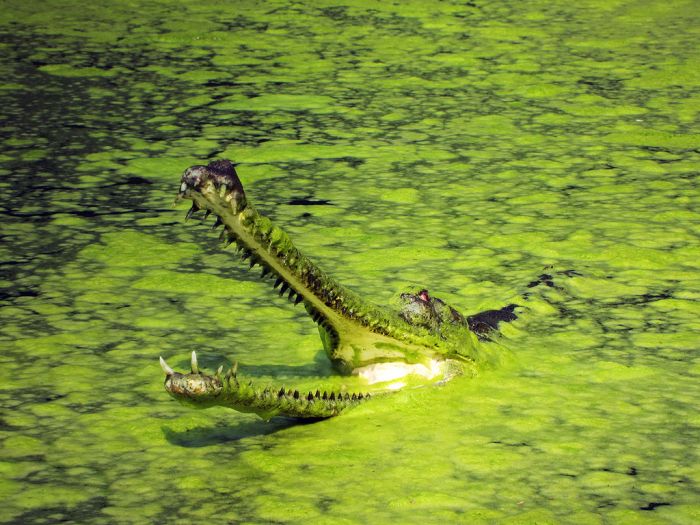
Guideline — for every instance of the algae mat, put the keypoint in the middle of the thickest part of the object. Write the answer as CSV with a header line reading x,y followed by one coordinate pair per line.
x,y
462,146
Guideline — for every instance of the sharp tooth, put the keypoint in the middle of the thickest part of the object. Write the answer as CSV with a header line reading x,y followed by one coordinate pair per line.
x,y
168,371
278,282
284,288
265,271
191,211
194,366
298,299
206,214
253,262
222,235
218,222
246,254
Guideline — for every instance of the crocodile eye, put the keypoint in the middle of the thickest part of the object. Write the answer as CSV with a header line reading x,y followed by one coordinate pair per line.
x,y
418,311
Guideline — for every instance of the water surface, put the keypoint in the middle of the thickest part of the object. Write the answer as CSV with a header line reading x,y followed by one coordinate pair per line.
x,y
467,147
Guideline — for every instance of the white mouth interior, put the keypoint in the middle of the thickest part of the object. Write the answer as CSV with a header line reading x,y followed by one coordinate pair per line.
x,y
391,372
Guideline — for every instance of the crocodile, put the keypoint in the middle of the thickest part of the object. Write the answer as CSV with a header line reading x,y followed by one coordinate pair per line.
x,y
423,341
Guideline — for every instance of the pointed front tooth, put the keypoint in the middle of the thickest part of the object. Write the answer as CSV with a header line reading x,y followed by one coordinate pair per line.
x,y
168,371
191,211
218,222
194,365
207,214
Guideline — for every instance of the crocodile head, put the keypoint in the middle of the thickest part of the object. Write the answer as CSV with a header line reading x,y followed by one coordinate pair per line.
x,y
424,337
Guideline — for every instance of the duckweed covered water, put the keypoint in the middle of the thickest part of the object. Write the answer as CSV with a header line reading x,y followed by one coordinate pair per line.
x,y
469,147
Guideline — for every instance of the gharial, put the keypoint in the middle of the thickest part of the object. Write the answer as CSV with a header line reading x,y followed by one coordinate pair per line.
x,y
423,340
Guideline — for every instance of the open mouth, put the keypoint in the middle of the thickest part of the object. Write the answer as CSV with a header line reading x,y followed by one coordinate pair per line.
x,y
217,189
377,344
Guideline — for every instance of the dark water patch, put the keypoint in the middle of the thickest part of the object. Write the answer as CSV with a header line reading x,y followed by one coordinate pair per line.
x,y
82,512
544,278
604,86
486,322
309,201
654,505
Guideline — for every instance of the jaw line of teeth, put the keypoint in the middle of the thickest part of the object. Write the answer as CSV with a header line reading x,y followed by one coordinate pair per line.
x,y
230,238
339,396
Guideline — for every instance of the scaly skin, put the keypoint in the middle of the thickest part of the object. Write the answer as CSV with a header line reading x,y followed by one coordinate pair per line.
x,y
204,391
426,337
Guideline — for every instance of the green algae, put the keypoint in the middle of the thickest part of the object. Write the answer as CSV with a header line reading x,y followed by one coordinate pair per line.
x,y
659,139
465,148
67,70
135,249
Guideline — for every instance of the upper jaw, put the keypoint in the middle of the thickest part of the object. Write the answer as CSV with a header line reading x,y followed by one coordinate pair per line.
x,y
341,314
218,172
218,176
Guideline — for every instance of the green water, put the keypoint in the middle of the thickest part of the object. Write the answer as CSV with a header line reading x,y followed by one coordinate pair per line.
x,y
460,146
